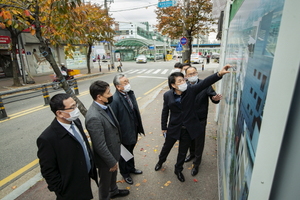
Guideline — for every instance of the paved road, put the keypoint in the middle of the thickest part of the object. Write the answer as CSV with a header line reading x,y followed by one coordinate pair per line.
x,y
19,134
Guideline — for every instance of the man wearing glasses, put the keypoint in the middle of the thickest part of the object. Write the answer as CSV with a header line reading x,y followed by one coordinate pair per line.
x,y
64,153
178,119
201,110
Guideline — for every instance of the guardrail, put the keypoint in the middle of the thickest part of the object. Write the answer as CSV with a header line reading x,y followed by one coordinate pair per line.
x,y
45,93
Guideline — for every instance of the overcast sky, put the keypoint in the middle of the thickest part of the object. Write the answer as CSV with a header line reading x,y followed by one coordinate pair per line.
x,y
132,10
135,11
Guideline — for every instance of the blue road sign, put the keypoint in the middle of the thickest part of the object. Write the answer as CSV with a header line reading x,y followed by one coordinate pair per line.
x,y
179,47
151,47
183,40
164,4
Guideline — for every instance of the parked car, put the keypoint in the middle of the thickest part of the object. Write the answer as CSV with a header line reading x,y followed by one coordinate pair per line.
x,y
141,59
215,55
195,58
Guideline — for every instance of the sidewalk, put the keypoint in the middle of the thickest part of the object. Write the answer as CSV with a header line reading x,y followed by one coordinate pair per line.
x,y
6,83
158,185
162,184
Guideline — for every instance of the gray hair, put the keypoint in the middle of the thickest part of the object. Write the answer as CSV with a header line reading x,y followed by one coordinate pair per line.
x,y
117,78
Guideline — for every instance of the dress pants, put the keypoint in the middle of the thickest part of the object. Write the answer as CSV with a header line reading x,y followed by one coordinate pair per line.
x,y
107,185
184,144
197,145
127,167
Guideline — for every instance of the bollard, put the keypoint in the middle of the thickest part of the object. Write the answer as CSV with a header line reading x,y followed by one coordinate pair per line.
x,y
108,67
45,95
75,87
202,67
3,114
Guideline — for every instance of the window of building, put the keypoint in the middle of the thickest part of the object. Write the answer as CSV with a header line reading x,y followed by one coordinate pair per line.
x,y
254,72
263,83
251,90
255,94
259,75
258,103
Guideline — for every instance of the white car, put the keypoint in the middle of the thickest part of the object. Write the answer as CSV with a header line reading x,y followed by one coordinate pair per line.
x,y
195,58
141,59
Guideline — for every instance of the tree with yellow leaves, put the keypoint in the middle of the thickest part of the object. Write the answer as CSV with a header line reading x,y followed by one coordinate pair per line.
x,y
188,20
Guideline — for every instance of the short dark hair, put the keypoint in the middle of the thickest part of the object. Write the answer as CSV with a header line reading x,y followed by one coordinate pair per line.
x,y
98,87
190,68
172,78
186,64
57,102
178,65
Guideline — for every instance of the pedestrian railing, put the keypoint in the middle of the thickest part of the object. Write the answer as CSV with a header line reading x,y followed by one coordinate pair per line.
x,y
19,95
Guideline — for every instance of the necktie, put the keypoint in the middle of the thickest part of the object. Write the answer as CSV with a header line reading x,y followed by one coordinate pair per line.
x,y
81,141
128,100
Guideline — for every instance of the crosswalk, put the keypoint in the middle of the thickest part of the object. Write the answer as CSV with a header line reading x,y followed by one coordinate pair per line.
x,y
149,71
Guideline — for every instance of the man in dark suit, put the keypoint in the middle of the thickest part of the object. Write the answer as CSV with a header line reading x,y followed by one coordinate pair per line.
x,y
178,119
201,109
104,130
64,153
126,109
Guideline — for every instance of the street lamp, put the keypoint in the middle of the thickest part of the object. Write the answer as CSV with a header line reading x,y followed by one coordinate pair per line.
x,y
165,56
154,38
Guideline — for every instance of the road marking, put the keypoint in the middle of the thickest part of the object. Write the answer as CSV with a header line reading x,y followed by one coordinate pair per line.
x,y
158,77
150,70
165,71
35,162
142,71
25,112
17,173
156,72
133,71
155,87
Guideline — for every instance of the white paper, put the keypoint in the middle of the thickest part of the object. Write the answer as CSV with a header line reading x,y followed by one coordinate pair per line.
x,y
126,155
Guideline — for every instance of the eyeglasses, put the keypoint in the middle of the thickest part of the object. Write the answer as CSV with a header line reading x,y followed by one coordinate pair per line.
x,y
71,108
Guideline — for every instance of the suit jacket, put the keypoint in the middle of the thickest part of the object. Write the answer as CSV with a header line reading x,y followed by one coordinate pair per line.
x,y
105,136
173,117
63,164
201,101
130,120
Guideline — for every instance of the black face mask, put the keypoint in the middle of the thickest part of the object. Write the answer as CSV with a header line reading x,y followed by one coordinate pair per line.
x,y
109,99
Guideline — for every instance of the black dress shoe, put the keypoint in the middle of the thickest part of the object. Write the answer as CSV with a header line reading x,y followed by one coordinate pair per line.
x,y
194,171
122,193
158,166
180,176
137,171
128,180
189,158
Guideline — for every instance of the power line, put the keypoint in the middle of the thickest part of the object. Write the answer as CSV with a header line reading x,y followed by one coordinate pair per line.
x,y
134,8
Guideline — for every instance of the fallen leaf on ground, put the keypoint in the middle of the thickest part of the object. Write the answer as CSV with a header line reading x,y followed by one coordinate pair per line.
x,y
14,187
195,180
137,185
142,149
145,180
128,188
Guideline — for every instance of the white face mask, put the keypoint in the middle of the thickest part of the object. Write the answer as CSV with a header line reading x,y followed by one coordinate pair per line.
x,y
73,115
177,70
183,72
182,87
127,88
193,79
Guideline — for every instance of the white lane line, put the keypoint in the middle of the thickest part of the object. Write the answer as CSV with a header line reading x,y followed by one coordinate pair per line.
x,y
157,77
165,71
156,72
150,70
133,71
142,71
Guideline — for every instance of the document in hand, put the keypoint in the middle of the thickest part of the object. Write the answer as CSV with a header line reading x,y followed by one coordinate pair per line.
x,y
125,153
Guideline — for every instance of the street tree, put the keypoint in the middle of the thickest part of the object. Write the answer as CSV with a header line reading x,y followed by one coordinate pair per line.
x,y
15,17
188,19
53,23
97,27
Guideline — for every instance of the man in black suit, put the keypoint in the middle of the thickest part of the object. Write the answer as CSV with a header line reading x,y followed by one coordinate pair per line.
x,y
104,130
64,153
127,112
178,119
201,109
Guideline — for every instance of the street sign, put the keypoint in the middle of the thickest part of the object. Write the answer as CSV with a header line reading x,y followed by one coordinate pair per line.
x,y
183,40
179,47
164,4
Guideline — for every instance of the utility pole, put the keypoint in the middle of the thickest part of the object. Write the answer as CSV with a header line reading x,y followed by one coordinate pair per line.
x,y
112,61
